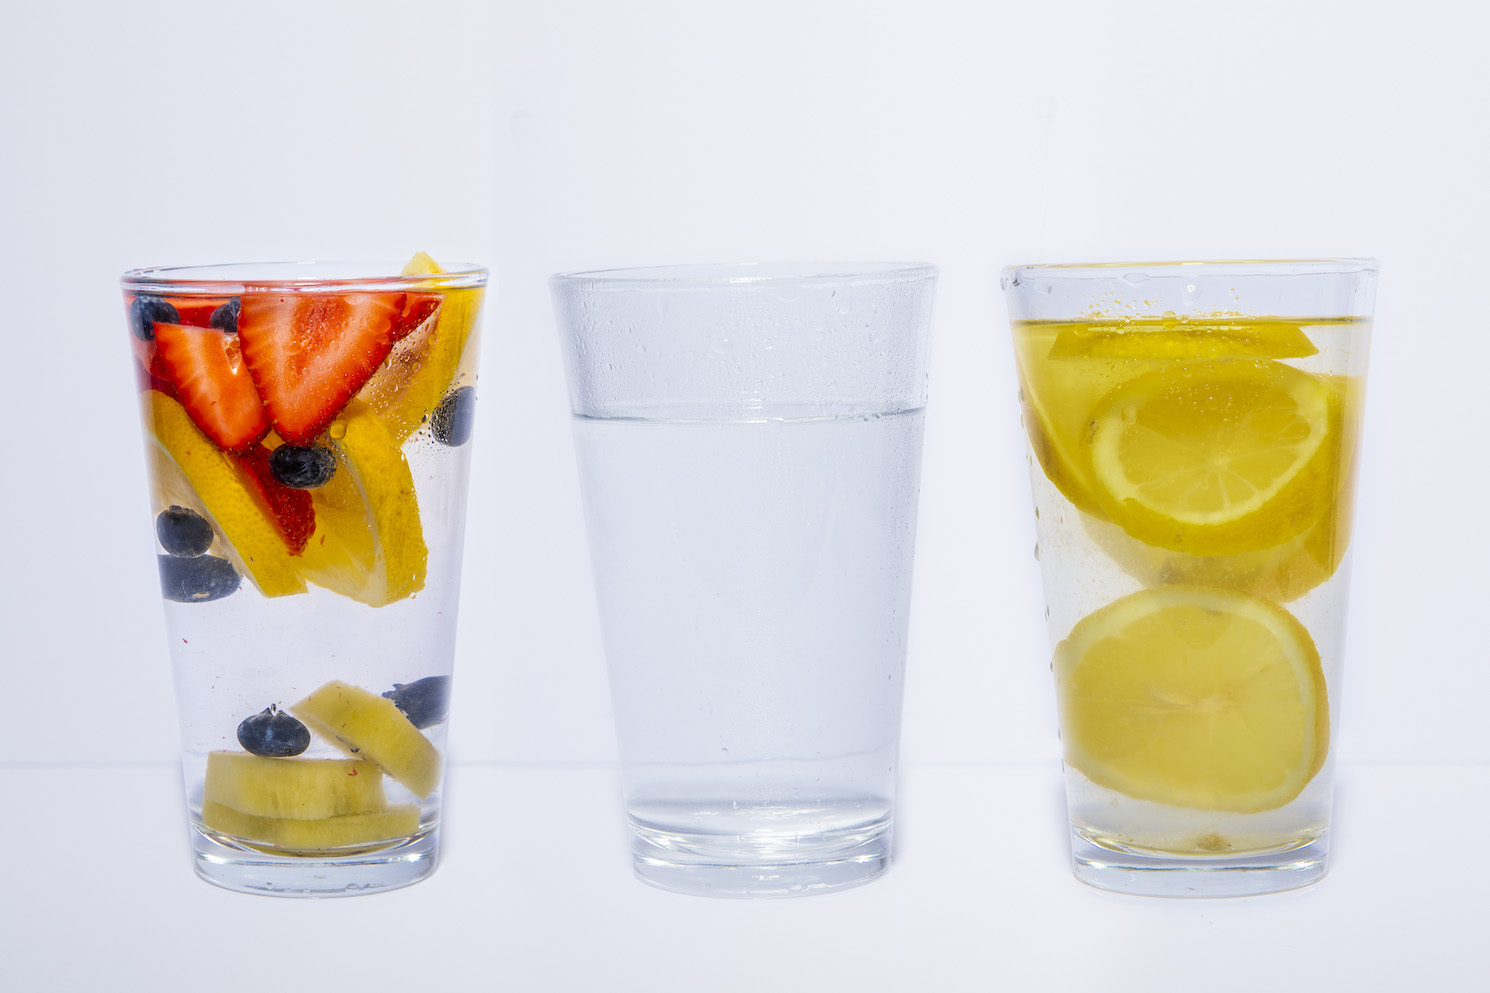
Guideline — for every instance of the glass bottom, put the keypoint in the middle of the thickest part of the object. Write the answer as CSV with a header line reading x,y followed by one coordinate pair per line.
x,y
751,866
244,870
1125,870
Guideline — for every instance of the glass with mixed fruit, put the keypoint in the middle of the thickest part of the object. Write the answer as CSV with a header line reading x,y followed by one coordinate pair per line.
x,y
307,434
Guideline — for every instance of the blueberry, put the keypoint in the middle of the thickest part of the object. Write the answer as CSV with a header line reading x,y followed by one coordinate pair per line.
x,y
273,733
225,317
147,311
455,416
302,468
425,702
196,580
183,532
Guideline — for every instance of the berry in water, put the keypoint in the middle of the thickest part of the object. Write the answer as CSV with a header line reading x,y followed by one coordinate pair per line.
x,y
273,733
196,580
425,702
455,416
225,317
146,311
183,532
302,468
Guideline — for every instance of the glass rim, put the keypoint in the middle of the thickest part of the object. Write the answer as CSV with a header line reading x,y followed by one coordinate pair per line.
x,y
235,277
724,274
1316,266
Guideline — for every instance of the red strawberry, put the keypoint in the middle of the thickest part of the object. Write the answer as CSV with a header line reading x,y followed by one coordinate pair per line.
x,y
195,311
310,352
212,383
419,308
151,379
291,510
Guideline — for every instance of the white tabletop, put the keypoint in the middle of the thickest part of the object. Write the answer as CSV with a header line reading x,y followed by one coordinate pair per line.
x,y
535,892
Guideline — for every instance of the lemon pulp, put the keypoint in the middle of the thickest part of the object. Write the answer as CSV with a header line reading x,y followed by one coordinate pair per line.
x,y
1217,457
1193,697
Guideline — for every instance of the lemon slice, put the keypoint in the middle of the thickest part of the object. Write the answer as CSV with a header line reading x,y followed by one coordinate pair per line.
x,y
1067,368
369,542
1193,697
1205,338
1217,457
189,470
423,366
1057,399
421,265
1282,573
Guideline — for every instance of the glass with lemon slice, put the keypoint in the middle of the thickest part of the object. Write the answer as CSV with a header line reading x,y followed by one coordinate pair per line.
x,y
307,430
1193,430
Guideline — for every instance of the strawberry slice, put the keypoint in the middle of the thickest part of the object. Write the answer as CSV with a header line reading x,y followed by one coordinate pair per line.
x,y
195,311
419,308
310,352
291,511
212,382
151,379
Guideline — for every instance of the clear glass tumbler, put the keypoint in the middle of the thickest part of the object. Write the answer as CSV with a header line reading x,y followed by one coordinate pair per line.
x,y
307,432
749,439
1193,431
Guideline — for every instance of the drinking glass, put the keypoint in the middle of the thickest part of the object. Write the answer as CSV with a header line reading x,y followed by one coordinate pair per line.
x,y
307,430
749,440
1193,431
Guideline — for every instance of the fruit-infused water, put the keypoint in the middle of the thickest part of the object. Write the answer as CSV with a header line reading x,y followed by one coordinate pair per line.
x,y
307,446
1193,482
754,583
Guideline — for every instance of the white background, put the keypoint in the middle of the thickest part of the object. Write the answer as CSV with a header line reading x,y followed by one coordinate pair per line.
x,y
539,137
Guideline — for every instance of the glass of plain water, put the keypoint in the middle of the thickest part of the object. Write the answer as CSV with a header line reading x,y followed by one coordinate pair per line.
x,y
749,442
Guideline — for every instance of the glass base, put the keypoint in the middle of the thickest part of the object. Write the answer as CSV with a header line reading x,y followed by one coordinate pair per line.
x,y
244,870
745,867
1156,874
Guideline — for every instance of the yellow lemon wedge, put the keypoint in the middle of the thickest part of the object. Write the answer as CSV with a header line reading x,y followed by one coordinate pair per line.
x,y
1217,457
1193,697
369,542
190,471
423,366
421,265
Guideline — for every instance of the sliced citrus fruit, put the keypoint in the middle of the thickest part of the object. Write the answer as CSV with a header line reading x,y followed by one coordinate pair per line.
x,y
423,365
1217,457
1203,338
420,265
369,542
1067,368
1057,399
190,471
1280,573
1193,697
